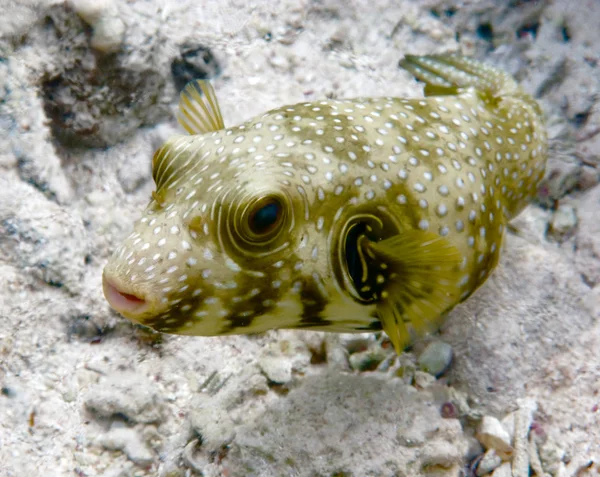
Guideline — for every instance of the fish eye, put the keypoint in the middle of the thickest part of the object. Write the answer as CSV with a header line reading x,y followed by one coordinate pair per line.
x,y
265,216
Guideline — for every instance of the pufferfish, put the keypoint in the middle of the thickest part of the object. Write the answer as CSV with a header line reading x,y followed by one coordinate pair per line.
x,y
336,215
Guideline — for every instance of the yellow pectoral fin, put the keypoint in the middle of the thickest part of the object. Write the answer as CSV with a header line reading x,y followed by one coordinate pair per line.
x,y
424,283
199,111
170,162
393,325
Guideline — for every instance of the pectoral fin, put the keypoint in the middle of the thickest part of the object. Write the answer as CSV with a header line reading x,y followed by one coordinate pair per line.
x,y
423,284
169,164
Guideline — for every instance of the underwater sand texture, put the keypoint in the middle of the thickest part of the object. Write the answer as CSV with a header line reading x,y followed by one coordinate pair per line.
x,y
89,93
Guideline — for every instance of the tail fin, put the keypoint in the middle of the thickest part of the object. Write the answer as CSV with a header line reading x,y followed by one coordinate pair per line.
x,y
447,74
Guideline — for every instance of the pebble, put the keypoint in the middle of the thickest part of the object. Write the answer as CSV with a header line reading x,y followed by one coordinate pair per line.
x,y
90,11
503,471
474,448
278,369
564,222
127,440
337,357
435,358
102,16
125,394
562,175
108,34
423,380
212,423
195,61
523,420
490,461
492,435
589,177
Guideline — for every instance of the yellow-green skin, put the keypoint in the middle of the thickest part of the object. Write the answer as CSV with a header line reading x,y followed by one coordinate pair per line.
x,y
459,163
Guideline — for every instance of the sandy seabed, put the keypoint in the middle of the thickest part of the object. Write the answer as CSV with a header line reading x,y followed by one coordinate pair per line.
x,y
87,93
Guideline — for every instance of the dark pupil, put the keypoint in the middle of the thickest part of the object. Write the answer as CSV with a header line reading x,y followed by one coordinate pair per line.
x,y
265,217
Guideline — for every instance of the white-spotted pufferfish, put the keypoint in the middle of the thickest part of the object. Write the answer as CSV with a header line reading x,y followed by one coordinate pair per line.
x,y
336,215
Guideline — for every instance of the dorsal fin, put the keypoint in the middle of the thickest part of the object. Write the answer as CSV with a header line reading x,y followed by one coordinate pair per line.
x,y
442,72
199,111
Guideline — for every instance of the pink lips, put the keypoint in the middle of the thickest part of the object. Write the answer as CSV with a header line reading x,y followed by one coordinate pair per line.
x,y
127,304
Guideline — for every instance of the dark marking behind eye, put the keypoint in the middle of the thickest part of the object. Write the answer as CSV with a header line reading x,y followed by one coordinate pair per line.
x,y
353,261
367,272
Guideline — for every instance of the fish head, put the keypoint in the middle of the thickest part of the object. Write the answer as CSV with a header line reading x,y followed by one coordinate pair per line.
x,y
222,241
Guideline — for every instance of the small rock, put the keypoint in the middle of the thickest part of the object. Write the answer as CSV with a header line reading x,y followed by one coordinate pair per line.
x,y
212,423
90,11
532,225
564,222
435,358
503,471
423,380
194,62
279,62
336,355
490,461
492,435
474,448
127,440
523,420
84,328
108,34
367,360
561,176
125,394
278,369
590,176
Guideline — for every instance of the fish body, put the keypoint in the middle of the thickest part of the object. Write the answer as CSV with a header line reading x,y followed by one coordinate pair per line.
x,y
336,215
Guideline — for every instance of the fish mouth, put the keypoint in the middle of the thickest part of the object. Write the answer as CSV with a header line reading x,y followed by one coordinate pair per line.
x,y
127,304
